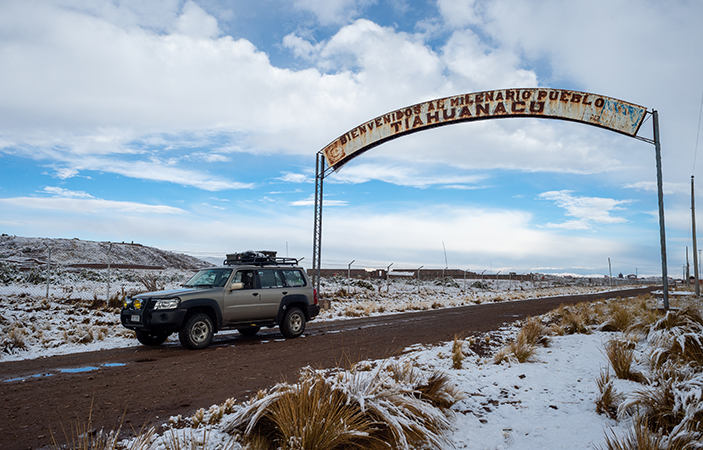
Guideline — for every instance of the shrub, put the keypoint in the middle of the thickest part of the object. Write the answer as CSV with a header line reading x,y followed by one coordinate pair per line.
x,y
364,284
480,285
14,339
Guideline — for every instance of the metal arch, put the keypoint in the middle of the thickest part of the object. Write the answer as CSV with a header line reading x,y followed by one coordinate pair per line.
x,y
612,114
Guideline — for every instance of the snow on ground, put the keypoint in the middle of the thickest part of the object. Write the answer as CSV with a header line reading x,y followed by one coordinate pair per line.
x,y
549,403
545,404
32,326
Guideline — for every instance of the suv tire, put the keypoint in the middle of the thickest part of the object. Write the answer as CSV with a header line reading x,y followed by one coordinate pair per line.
x,y
146,338
293,323
197,332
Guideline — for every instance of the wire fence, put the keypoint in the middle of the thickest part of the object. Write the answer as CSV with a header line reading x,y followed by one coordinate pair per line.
x,y
90,270
109,271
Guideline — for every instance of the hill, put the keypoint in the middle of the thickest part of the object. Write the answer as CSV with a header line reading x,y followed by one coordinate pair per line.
x,y
30,251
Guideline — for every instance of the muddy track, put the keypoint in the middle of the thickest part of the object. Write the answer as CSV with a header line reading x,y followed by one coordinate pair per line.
x,y
139,385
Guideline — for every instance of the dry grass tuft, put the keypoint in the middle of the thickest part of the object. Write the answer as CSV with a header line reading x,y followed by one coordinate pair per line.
x,y
574,319
619,317
457,352
639,437
524,348
519,351
82,436
389,407
621,354
672,404
608,400
678,336
13,340
535,333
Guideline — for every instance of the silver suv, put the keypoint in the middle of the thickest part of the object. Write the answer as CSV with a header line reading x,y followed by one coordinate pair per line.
x,y
251,291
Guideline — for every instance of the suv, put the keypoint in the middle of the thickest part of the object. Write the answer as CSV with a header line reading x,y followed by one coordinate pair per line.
x,y
252,290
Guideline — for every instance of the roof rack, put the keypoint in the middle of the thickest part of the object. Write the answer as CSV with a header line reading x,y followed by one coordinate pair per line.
x,y
260,258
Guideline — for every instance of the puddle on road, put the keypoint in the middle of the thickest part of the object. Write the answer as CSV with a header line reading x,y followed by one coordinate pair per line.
x,y
72,370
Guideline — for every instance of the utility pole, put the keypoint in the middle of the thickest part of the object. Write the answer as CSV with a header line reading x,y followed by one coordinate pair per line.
x,y
695,245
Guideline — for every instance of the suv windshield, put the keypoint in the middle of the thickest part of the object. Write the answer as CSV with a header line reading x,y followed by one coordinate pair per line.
x,y
210,278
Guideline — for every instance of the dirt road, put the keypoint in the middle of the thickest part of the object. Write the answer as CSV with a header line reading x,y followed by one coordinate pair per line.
x,y
146,384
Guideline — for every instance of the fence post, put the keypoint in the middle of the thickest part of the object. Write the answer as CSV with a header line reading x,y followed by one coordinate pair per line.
x,y
109,249
48,271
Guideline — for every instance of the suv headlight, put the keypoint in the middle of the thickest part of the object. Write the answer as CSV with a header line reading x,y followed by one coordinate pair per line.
x,y
132,303
168,303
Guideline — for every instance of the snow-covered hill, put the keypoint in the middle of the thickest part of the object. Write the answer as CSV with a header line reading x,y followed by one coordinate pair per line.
x,y
71,252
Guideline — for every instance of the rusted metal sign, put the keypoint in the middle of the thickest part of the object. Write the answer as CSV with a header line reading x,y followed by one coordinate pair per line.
x,y
592,109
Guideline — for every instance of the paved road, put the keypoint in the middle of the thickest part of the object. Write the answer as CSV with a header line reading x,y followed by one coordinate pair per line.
x,y
139,384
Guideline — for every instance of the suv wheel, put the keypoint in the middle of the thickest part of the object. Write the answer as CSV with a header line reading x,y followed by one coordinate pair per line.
x,y
147,338
248,331
293,323
197,333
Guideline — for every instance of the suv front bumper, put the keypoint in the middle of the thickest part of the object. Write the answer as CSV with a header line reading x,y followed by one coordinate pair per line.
x,y
152,319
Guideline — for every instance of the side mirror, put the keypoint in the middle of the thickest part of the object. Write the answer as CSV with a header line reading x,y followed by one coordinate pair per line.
x,y
236,286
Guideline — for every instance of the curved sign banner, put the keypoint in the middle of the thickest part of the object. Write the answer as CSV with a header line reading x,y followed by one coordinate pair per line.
x,y
584,107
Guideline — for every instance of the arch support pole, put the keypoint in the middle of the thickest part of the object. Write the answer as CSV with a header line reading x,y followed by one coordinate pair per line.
x,y
317,230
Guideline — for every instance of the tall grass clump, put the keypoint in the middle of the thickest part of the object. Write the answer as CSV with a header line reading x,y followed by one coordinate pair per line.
x,y
667,411
388,407
608,399
638,437
678,336
621,354
573,319
457,352
524,348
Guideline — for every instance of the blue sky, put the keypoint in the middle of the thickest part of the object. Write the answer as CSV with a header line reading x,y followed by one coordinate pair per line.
x,y
193,126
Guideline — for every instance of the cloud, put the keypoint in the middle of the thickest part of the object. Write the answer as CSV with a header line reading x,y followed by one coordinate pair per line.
x,y
403,176
459,13
474,237
586,210
330,12
153,170
60,192
310,201
195,22
121,85
667,188
81,206
290,177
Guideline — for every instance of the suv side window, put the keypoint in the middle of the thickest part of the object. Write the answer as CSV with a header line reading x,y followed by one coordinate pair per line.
x,y
294,278
270,278
246,277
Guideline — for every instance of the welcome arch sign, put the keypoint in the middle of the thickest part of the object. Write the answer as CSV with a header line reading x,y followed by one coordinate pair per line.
x,y
544,103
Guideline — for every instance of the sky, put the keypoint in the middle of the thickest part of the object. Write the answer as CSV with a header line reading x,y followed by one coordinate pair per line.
x,y
193,126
